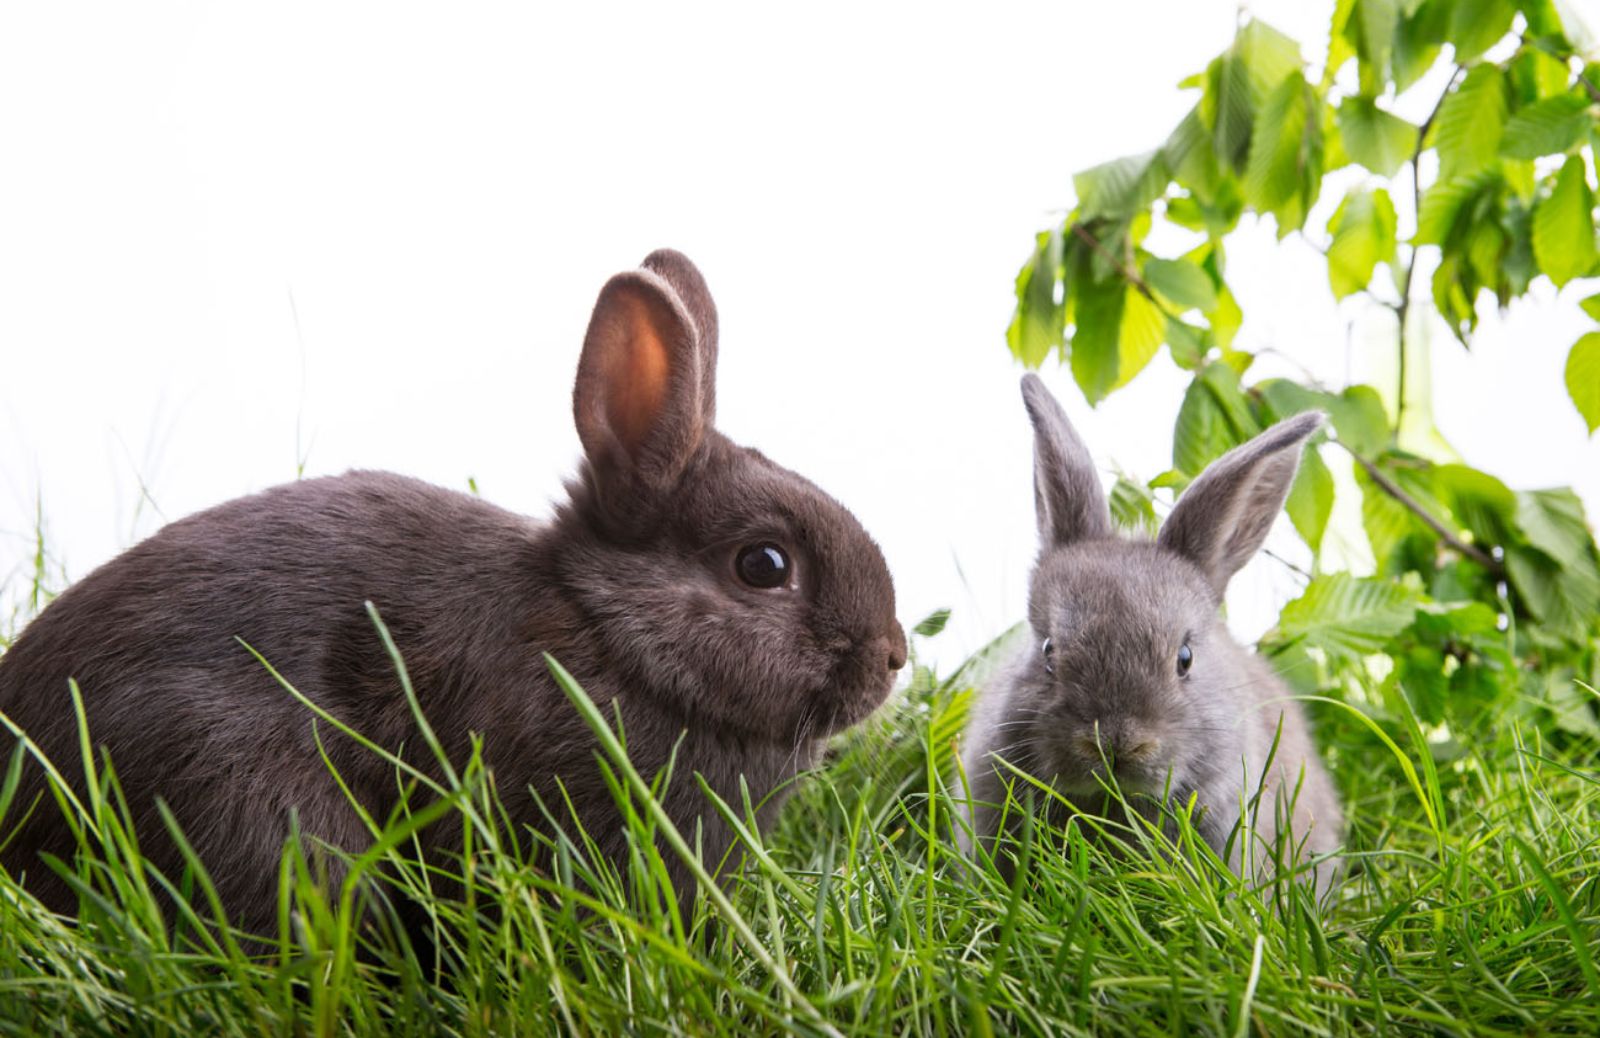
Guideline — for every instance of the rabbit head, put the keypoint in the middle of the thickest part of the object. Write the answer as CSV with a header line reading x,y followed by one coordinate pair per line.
x,y
1135,673
711,575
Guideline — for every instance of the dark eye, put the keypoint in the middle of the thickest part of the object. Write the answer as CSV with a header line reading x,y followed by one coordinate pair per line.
x,y
1049,652
763,566
1185,660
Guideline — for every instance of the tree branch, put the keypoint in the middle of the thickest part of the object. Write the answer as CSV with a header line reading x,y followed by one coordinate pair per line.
x,y
1394,490
1122,268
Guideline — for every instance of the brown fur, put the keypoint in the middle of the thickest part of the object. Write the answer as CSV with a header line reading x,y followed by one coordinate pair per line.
x,y
631,587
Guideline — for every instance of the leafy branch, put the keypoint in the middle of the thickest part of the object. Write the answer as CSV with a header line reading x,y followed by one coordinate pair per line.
x,y
1510,144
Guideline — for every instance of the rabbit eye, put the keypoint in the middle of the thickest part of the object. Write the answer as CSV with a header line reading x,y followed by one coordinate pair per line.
x,y
1185,660
1048,651
764,566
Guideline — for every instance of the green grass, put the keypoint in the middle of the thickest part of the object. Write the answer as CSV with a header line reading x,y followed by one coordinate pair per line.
x,y
1471,905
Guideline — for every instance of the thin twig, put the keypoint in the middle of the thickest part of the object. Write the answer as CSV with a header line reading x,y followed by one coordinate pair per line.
x,y
1394,490
1122,268
1589,87
1404,309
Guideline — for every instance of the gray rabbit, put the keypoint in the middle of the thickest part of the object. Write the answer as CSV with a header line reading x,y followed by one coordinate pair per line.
x,y
1130,665
736,613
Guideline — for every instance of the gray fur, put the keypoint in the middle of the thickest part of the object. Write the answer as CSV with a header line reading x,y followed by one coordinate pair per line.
x,y
631,586
1116,612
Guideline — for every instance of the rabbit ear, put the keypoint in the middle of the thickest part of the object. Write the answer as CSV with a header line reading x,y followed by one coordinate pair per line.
x,y
638,401
684,277
1066,490
1224,516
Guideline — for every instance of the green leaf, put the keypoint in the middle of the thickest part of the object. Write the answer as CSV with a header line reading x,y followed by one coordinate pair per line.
x,y
1095,357
1284,171
1547,127
1377,139
1360,420
1132,506
1226,319
1417,40
1214,418
1311,499
1340,48
1371,31
1139,339
1583,378
1563,225
1181,282
933,623
1553,521
1037,326
1591,306
1348,617
1239,82
1449,204
1188,344
1563,598
1477,25
1363,232
1469,125
1122,187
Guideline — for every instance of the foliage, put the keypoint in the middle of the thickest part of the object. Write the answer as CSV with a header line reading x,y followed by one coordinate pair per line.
x,y
1475,589
859,915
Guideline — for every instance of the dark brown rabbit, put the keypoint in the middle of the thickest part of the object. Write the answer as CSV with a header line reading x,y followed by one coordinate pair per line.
x,y
710,593
1131,668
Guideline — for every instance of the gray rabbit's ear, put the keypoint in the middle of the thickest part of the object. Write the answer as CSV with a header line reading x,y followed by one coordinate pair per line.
x,y
1067,496
684,277
638,400
1222,520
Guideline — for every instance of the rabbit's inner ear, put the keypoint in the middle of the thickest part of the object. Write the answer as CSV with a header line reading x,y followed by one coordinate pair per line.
x,y
687,282
637,397
635,379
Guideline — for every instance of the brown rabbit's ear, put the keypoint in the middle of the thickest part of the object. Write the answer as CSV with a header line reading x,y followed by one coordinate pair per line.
x,y
685,279
1067,495
638,401
1222,520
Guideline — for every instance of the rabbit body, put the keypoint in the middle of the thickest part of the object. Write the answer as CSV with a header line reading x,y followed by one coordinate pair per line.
x,y
1130,672
635,587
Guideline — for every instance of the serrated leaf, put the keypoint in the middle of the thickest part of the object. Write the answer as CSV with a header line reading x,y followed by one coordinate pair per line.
x,y
1563,225
1037,325
1132,506
1583,378
1284,170
1363,235
1310,500
932,624
1181,282
1371,31
1360,420
1122,187
1189,154
1379,140
1547,127
1214,418
1095,358
1348,617
1187,344
1469,125
1554,522
1340,49
1450,204
1417,40
1139,339
1563,598
1477,25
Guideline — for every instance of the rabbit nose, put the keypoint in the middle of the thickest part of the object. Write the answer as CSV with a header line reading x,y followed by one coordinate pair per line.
x,y
894,647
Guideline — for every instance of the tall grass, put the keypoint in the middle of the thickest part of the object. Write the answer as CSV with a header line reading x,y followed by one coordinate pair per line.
x,y
1471,905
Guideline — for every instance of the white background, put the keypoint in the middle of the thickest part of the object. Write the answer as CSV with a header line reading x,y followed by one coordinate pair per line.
x,y
236,238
